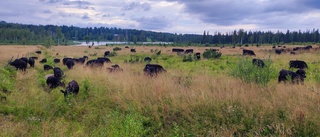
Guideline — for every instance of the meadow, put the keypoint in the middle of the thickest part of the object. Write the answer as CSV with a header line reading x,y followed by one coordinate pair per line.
x,y
227,96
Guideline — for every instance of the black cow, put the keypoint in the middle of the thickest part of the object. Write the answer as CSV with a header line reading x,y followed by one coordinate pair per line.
x,y
64,60
70,63
248,52
278,51
177,50
85,57
115,68
54,82
298,64
57,72
147,59
292,53
106,53
198,55
71,89
56,60
35,58
153,69
133,50
31,62
95,63
188,51
79,60
296,77
47,67
19,64
38,52
106,60
25,59
126,47
43,60
258,62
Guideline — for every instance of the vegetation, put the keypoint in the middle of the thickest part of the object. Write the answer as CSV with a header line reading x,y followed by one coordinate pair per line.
x,y
211,97
211,54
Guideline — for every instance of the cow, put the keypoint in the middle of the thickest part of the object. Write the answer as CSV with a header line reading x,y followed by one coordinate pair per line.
x,y
47,67
64,60
273,47
70,63
298,64
258,62
38,52
177,50
147,59
126,47
19,64
79,60
31,62
133,50
106,53
54,82
95,63
292,53
57,72
153,69
71,89
296,77
43,60
248,52
279,51
106,60
115,68
35,58
188,51
25,59
198,55
56,60
85,57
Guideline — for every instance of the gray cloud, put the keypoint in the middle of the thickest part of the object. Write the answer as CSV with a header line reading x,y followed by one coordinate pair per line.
x,y
153,23
137,5
85,17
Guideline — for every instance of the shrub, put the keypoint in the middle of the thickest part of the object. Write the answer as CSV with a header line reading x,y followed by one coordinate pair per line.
x,y
116,49
249,72
7,75
211,54
188,58
112,54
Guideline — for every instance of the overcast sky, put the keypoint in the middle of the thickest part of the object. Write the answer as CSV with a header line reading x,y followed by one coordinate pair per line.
x,y
174,16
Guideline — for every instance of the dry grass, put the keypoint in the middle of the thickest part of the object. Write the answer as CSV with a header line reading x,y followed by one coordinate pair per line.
x,y
202,99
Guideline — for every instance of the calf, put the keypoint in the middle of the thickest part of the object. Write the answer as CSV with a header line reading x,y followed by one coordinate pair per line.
x,y
298,64
296,77
56,60
47,67
71,89
54,82
147,59
258,62
43,60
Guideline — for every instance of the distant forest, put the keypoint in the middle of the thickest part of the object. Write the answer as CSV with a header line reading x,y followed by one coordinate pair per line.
x,y
14,33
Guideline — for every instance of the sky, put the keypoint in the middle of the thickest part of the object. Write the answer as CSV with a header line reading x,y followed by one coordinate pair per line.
x,y
173,16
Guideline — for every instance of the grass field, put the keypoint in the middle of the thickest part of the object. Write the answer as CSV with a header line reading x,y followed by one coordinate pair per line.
x,y
210,97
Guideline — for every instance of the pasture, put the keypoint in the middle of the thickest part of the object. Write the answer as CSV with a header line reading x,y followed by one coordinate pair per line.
x,y
200,98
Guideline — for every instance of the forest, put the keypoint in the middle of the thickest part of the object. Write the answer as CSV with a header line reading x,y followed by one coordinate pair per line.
x,y
47,35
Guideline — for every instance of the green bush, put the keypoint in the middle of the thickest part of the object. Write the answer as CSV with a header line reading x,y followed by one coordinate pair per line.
x,y
112,54
211,54
116,49
249,72
7,75
188,58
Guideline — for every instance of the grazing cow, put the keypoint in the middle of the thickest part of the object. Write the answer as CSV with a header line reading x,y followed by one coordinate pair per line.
x,y
38,52
153,69
71,89
198,55
43,60
47,67
31,62
35,58
64,60
258,62
56,60
79,60
54,82
298,64
106,53
307,47
133,50
292,53
19,64
85,57
95,63
177,50
188,51
70,63
248,52
296,77
279,51
106,60
25,59
57,72
115,68
147,59
273,47
126,47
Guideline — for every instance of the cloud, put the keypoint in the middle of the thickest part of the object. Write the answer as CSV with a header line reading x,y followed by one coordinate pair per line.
x,y
85,17
153,23
137,5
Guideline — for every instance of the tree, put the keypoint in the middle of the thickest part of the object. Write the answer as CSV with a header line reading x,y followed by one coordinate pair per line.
x,y
87,39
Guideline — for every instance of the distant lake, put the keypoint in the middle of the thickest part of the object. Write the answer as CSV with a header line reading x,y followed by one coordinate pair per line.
x,y
95,43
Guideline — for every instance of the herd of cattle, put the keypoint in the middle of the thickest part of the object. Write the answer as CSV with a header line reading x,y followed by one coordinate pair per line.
x,y
54,80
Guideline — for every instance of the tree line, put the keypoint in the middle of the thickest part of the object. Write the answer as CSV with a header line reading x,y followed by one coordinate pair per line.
x,y
14,33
